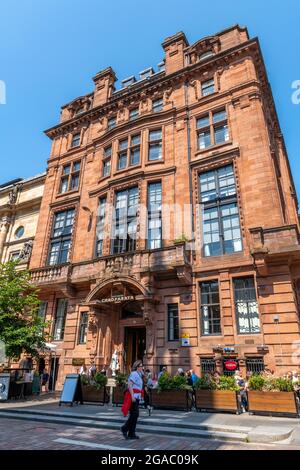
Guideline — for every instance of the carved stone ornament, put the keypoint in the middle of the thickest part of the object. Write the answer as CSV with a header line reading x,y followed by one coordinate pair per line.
x,y
26,251
13,194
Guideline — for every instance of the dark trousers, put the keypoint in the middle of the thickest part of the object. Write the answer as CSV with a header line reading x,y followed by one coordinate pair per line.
x,y
130,424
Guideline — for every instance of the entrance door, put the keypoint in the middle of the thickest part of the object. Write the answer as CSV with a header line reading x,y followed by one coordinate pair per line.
x,y
135,345
54,364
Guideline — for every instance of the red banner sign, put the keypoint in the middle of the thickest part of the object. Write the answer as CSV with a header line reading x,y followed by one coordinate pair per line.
x,y
230,365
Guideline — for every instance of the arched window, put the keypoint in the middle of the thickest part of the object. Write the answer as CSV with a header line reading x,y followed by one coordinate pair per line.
x,y
206,55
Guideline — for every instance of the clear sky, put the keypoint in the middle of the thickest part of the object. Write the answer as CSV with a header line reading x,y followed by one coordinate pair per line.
x,y
50,50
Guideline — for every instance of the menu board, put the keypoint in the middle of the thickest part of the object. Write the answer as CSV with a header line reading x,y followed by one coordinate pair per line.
x,y
72,391
4,386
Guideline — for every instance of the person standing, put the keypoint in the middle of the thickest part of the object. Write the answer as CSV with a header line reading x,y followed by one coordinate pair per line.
x,y
135,389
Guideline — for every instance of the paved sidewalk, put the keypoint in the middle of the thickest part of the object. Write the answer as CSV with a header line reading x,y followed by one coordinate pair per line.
x,y
243,427
18,435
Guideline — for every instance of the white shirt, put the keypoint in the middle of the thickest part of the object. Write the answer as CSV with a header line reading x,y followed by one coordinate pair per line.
x,y
136,381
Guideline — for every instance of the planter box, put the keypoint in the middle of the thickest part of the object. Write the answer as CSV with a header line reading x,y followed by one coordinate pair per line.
x,y
118,395
171,399
217,400
273,403
91,394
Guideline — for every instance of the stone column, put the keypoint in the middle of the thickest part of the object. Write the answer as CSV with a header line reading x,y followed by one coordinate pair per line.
x,y
4,227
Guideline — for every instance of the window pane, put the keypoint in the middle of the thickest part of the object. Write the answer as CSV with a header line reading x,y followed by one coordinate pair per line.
x,y
155,152
135,156
221,134
123,144
155,135
75,182
133,114
112,122
64,185
122,163
157,105
106,168
173,322
203,122
66,169
204,140
135,139
75,140
210,308
208,87
231,228
76,166
219,116
60,319
246,306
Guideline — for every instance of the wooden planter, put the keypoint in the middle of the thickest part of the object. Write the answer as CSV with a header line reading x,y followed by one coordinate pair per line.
x,y
217,400
118,395
284,403
91,394
171,399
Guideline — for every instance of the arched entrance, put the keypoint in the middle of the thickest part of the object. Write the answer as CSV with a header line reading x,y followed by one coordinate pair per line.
x,y
120,314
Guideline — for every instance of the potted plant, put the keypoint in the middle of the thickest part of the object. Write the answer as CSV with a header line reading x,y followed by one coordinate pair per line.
x,y
172,393
216,394
94,389
272,395
119,389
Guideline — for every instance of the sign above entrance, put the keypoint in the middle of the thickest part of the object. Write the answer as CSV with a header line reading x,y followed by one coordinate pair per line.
x,y
185,339
117,299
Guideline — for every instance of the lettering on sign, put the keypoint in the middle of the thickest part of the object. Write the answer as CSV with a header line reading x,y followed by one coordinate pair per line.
x,y
117,299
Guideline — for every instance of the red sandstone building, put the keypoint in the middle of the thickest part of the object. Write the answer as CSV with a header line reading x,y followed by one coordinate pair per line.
x,y
168,228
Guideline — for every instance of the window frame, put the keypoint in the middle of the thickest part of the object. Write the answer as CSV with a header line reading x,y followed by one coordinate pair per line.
x,y
62,318
157,216
203,87
219,203
106,159
155,106
247,301
68,177
61,239
155,142
176,321
134,113
131,147
101,222
83,328
210,128
111,122
128,244
75,138
210,305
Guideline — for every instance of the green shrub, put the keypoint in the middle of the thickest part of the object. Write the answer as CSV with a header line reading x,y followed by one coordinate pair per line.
x,y
205,383
164,381
283,385
257,382
100,380
121,380
84,379
227,383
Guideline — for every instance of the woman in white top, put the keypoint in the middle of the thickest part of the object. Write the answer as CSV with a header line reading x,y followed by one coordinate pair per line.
x,y
135,388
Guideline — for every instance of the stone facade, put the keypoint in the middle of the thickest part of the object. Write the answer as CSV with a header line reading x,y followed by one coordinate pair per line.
x,y
20,202
215,113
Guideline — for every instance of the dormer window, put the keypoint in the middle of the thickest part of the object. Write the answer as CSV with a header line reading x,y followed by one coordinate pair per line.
x,y
206,55
147,73
128,81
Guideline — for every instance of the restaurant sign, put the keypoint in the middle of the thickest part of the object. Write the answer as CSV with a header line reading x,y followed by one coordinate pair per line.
x,y
117,299
230,365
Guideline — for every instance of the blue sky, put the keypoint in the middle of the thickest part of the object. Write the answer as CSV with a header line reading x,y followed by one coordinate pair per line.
x,y
50,49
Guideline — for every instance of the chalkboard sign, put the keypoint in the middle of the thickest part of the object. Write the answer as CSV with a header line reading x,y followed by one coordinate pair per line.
x,y
4,386
72,391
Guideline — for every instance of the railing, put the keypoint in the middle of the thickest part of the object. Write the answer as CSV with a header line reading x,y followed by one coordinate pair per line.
x,y
49,274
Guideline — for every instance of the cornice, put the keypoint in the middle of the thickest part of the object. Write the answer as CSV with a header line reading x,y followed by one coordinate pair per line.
x,y
140,175
15,208
214,156
65,202
165,81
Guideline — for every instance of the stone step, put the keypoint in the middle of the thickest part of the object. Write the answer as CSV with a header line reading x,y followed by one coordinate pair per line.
x,y
147,421
115,425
